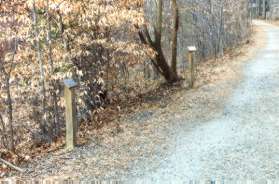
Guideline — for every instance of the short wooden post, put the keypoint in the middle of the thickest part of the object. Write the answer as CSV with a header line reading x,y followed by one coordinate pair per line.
x,y
191,59
71,121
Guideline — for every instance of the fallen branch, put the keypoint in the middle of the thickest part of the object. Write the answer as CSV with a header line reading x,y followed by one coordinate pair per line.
x,y
12,165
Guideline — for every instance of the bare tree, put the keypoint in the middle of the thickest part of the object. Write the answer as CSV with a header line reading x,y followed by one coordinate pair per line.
x,y
159,61
6,69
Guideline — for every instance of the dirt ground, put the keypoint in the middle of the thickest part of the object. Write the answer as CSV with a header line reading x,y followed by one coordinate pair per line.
x,y
141,140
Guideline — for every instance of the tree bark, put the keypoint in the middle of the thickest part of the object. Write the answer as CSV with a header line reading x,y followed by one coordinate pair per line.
x,y
174,36
264,9
221,31
43,125
11,145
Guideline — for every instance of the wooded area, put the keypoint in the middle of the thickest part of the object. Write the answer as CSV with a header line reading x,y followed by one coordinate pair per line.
x,y
267,9
114,49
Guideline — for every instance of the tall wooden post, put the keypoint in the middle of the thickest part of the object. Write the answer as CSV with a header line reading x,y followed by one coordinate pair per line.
x,y
71,121
191,59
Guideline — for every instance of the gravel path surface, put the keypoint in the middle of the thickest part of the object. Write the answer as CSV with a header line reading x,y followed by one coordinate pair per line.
x,y
243,142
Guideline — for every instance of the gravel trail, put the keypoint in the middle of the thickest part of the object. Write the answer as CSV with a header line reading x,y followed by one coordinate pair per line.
x,y
243,142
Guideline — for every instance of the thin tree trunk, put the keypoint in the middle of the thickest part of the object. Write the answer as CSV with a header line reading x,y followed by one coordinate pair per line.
x,y
3,129
9,132
159,23
43,125
10,116
49,39
174,36
53,83
64,39
7,74
169,75
264,9
221,32
9,99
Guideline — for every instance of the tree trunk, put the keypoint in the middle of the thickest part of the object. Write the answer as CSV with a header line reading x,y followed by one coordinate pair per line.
x,y
159,61
54,126
11,145
7,75
264,9
174,36
43,125
221,32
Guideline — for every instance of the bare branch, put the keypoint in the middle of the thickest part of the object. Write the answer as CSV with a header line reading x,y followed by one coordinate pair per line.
x,y
12,165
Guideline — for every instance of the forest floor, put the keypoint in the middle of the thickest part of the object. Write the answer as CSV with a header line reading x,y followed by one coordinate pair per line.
x,y
194,133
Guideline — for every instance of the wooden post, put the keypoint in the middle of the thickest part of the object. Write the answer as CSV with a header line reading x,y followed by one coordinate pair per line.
x,y
71,121
191,56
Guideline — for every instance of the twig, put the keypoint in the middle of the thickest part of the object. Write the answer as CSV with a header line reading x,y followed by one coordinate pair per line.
x,y
12,166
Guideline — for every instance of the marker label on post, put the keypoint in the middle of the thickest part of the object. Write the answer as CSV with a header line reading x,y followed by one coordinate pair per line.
x,y
192,49
70,83
191,54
